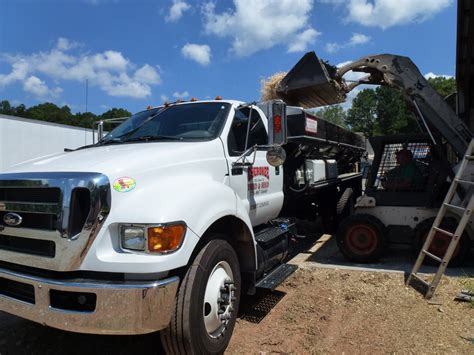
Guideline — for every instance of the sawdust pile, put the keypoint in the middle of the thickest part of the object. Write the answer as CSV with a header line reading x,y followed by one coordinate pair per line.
x,y
270,85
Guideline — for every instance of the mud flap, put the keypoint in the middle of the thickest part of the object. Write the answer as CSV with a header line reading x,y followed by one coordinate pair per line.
x,y
311,83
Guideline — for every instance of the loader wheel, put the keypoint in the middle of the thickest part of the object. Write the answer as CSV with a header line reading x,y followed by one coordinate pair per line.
x,y
361,238
440,242
207,303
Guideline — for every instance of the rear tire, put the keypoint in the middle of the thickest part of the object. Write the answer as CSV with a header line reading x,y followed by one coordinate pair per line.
x,y
361,238
345,205
206,304
440,243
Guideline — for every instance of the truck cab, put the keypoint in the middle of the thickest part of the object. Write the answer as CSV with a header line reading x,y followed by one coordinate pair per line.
x,y
167,221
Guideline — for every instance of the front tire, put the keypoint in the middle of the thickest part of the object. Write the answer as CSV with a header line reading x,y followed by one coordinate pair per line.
x,y
361,238
206,304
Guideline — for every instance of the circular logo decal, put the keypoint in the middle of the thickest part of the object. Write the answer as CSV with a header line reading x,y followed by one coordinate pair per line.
x,y
124,184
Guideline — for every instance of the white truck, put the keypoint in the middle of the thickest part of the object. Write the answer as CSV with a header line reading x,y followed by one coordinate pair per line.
x,y
170,219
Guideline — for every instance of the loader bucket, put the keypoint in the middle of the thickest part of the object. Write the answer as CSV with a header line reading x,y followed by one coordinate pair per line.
x,y
311,83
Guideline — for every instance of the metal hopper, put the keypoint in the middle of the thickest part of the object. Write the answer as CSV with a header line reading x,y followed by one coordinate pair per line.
x,y
311,83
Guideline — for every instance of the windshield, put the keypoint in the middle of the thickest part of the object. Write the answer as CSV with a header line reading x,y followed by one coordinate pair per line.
x,y
197,121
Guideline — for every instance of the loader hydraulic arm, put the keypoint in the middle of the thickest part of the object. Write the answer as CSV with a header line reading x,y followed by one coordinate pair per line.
x,y
312,83
401,73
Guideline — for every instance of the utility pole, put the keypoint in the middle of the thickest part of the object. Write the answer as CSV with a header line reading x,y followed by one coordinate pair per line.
x,y
87,91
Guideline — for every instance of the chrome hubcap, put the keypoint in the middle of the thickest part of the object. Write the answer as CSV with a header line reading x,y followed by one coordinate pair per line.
x,y
219,299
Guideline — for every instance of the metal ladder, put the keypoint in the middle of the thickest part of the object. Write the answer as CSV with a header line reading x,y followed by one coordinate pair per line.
x,y
465,213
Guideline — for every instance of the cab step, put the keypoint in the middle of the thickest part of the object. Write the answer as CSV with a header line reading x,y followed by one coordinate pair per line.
x,y
275,277
281,226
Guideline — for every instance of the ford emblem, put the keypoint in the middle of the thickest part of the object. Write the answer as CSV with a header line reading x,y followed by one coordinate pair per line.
x,y
12,219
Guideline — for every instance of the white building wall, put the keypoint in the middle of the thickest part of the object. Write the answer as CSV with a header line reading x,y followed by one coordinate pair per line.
x,y
23,139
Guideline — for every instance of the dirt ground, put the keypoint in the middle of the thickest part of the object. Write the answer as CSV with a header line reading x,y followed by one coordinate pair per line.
x,y
354,312
323,308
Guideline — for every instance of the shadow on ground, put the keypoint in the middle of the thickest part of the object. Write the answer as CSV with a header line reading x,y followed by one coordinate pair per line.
x,y
323,252
18,337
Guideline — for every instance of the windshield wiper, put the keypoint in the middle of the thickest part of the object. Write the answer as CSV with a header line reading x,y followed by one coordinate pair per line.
x,y
100,143
153,138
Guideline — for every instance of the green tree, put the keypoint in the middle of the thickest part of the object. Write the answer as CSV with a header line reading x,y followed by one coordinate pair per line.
x,y
50,112
115,113
362,116
392,113
334,114
444,86
19,110
5,107
84,119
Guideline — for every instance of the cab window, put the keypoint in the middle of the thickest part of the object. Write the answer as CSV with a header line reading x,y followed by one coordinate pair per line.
x,y
238,132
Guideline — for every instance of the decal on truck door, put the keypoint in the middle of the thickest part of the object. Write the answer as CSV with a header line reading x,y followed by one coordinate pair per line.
x,y
258,179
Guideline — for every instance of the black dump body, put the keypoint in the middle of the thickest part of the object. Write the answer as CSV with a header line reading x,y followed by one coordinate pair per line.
x,y
313,138
319,139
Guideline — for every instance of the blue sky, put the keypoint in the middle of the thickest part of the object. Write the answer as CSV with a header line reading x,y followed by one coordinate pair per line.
x,y
138,53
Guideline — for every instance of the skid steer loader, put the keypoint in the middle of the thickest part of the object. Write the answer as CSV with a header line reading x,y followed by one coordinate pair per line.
x,y
410,173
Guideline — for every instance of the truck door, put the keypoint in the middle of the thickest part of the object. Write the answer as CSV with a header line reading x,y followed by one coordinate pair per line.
x,y
259,186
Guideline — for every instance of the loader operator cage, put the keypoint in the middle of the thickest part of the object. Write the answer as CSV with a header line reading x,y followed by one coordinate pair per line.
x,y
392,175
406,171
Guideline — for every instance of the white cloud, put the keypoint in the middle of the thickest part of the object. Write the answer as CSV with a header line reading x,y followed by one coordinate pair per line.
x,y
39,89
359,38
303,40
65,44
355,40
181,95
147,74
18,73
164,98
110,71
432,75
388,13
177,10
200,53
259,25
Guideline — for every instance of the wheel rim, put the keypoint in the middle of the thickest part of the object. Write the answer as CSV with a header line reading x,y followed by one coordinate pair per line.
x,y
361,239
219,299
439,245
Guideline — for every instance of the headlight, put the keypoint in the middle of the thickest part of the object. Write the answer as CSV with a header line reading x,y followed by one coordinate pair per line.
x,y
164,238
133,237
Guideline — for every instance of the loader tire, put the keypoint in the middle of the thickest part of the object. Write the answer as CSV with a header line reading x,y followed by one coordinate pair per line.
x,y
206,304
440,243
361,238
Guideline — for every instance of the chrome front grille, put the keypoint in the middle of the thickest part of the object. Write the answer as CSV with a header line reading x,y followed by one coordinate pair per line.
x,y
61,215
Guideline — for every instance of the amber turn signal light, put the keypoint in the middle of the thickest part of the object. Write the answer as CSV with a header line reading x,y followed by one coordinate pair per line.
x,y
166,238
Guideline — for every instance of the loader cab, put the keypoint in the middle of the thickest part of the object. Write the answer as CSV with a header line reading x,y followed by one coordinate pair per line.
x,y
407,170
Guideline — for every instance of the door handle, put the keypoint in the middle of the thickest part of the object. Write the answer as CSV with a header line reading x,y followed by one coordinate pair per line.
x,y
237,171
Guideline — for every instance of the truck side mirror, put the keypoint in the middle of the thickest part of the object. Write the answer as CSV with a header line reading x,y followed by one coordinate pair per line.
x,y
276,155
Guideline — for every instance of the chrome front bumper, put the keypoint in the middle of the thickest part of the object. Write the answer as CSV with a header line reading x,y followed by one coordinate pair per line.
x,y
120,307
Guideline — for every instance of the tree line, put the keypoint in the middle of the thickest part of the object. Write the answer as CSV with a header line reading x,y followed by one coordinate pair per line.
x,y
374,111
52,113
381,110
